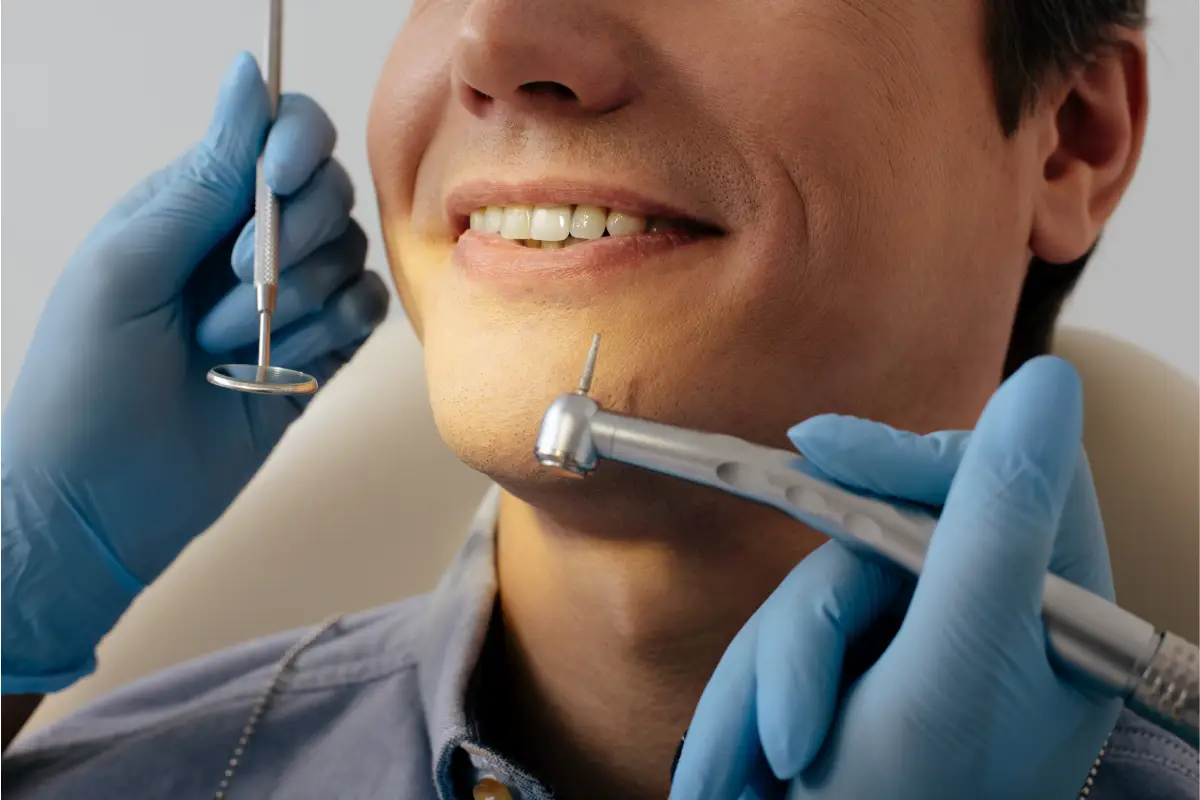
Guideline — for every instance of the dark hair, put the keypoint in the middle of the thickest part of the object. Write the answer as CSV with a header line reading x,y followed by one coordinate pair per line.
x,y
1029,41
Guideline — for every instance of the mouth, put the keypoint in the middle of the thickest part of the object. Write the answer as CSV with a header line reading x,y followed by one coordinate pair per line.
x,y
565,229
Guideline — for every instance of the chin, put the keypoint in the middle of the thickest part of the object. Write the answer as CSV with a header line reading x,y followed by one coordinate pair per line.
x,y
489,389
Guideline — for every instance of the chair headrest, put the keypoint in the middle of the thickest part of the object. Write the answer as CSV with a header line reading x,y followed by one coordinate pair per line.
x,y
1142,434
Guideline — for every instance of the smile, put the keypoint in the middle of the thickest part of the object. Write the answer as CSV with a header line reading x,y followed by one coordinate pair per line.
x,y
520,234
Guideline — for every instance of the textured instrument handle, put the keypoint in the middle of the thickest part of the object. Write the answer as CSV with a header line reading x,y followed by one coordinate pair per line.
x,y
266,204
266,232
1169,692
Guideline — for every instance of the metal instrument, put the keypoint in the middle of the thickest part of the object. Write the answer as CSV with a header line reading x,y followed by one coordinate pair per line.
x,y
262,378
1099,644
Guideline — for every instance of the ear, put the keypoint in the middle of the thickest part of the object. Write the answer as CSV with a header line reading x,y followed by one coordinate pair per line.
x,y
1092,138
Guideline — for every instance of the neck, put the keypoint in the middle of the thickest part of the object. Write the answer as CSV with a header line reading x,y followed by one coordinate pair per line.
x,y
611,635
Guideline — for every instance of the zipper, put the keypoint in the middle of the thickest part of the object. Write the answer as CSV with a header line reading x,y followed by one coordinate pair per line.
x,y
1090,780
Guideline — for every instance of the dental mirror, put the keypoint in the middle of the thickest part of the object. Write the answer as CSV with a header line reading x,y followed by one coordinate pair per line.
x,y
262,378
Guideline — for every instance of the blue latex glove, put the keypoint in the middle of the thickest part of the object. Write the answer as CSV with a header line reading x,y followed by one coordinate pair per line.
x,y
963,702
116,452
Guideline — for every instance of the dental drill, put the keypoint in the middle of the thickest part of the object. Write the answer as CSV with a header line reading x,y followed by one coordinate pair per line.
x,y
263,378
1099,644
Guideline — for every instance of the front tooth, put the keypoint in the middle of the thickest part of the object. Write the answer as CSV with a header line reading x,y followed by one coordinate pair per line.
x,y
551,223
620,224
549,244
517,221
588,222
493,219
477,219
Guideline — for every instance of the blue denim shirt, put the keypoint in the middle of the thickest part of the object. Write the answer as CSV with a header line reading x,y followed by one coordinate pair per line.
x,y
376,707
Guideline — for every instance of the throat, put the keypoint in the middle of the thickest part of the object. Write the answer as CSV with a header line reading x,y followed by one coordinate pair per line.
x,y
602,646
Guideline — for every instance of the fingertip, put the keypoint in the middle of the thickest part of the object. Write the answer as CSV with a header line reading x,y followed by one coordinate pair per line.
x,y
790,712
229,324
241,116
365,305
1052,367
722,745
301,140
829,599
240,76
244,66
242,256
1034,422
204,335
876,458
1051,384
818,428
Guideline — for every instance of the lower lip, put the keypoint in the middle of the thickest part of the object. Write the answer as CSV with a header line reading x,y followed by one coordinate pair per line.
x,y
488,256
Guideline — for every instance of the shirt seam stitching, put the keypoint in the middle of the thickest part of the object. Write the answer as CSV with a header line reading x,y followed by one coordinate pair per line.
x,y
249,696
1119,753
301,681
1157,738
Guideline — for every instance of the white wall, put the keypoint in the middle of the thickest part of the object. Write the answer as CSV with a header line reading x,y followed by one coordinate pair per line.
x,y
97,94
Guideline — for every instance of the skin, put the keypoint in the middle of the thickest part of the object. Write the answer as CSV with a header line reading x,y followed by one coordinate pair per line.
x,y
878,225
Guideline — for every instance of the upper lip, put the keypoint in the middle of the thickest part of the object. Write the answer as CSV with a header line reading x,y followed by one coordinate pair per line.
x,y
472,196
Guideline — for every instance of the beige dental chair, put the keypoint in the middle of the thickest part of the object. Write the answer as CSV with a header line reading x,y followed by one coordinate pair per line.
x,y
361,505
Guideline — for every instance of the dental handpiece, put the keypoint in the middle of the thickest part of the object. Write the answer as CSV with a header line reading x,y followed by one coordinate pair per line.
x,y
1096,642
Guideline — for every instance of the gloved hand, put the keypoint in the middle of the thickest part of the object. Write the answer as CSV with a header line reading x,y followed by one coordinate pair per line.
x,y
116,451
963,702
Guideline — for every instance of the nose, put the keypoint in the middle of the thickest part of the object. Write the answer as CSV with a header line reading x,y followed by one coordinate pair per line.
x,y
539,55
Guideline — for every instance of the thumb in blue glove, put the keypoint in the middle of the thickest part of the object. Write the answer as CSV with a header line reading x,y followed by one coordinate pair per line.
x,y
964,701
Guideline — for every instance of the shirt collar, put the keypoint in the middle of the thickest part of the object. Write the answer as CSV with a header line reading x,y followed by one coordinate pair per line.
x,y
455,625
450,643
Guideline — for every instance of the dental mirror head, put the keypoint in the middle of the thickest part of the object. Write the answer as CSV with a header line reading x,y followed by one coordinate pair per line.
x,y
564,442
261,380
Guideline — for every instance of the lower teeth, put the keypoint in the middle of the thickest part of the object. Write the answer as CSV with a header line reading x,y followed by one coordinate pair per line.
x,y
537,244
540,245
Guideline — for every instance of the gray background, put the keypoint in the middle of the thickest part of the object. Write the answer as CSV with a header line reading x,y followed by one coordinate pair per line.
x,y
98,94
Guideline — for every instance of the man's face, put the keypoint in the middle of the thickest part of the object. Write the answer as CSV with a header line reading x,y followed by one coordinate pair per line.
x,y
851,224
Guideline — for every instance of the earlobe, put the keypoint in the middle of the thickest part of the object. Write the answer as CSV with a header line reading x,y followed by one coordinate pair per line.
x,y
1093,141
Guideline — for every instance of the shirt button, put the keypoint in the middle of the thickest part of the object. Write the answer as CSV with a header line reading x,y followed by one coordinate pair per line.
x,y
490,789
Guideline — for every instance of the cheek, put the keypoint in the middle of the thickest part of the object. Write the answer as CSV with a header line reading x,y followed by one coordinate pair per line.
x,y
905,205
406,109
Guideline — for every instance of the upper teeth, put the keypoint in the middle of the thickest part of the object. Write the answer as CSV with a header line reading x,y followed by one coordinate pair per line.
x,y
555,223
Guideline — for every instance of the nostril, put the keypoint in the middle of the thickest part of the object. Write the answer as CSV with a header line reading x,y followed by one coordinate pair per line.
x,y
478,95
550,89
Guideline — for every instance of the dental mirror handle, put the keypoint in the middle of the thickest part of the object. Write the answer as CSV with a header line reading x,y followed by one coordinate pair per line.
x,y
1111,650
266,204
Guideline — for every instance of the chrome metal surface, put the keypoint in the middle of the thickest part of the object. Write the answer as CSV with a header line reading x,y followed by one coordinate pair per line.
x,y
261,380
264,338
1169,691
589,367
564,441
